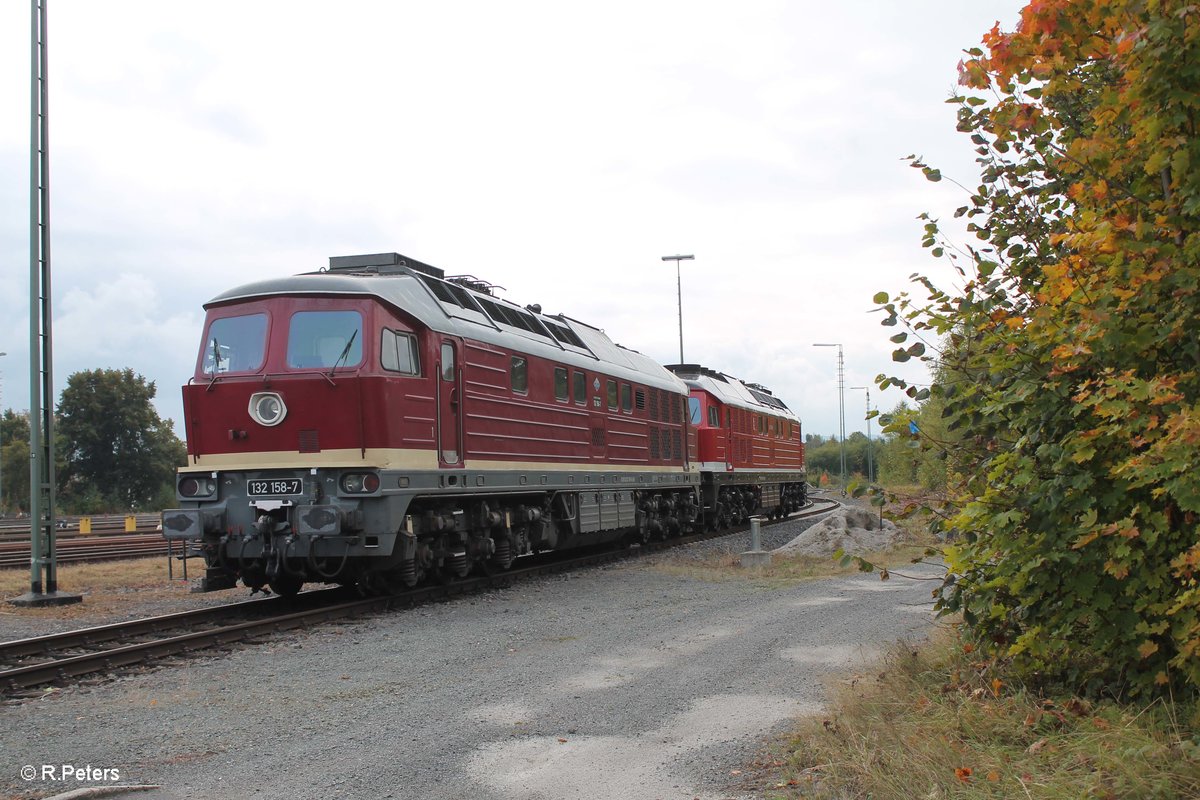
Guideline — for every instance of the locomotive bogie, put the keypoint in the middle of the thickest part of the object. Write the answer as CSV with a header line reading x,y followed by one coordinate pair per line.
x,y
386,540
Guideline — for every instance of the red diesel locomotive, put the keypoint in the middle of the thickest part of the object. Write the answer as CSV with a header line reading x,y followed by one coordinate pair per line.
x,y
378,423
750,450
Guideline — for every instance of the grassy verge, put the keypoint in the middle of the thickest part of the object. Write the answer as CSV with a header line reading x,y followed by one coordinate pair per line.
x,y
784,569
937,723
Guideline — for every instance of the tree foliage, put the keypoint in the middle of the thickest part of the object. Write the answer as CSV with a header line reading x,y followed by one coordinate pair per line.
x,y
1071,348
824,455
117,451
14,461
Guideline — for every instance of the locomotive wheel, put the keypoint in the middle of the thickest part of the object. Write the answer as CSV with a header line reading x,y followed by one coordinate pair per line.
x,y
286,585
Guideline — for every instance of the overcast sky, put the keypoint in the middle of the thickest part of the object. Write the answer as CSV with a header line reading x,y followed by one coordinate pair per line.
x,y
556,149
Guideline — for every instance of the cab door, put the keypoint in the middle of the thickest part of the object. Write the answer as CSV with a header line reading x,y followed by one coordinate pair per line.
x,y
449,398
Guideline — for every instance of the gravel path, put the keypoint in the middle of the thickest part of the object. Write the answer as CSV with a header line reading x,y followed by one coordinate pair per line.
x,y
614,683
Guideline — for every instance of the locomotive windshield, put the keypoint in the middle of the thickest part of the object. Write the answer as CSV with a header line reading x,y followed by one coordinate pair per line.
x,y
323,339
235,344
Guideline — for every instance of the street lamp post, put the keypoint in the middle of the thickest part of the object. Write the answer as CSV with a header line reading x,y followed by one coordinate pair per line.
x,y
679,292
870,462
841,403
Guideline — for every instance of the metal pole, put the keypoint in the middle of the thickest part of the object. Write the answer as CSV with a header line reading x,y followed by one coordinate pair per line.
x,y
35,281
2,438
42,556
870,445
679,298
841,404
842,410
870,459
49,493
679,293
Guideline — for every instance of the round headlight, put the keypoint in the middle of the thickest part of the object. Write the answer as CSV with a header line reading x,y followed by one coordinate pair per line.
x,y
360,483
267,408
196,487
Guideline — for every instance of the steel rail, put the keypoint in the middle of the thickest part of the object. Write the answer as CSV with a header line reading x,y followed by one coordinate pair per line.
x,y
86,549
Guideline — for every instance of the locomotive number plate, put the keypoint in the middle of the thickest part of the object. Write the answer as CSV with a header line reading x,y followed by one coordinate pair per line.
x,y
273,488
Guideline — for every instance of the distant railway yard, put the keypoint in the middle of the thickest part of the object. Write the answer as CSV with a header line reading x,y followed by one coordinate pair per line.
x,y
109,539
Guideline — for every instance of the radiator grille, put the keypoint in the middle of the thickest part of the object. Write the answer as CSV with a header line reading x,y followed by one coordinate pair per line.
x,y
310,442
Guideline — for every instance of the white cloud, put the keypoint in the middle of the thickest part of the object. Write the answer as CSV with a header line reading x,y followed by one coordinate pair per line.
x,y
555,149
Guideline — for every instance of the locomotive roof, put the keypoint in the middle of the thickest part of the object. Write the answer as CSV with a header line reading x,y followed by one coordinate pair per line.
x,y
731,390
464,307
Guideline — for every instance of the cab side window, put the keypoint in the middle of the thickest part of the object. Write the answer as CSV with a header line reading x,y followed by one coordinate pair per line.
x,y
398,352
520,375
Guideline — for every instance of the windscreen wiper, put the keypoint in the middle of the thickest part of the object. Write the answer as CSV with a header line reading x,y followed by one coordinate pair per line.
x,y
345,353
216,353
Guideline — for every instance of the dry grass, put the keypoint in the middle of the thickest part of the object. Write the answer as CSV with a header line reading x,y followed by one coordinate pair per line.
x,y
937,724
109,588
784,569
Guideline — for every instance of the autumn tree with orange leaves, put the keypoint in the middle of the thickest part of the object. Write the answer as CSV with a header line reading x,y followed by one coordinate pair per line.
x,y
1069,355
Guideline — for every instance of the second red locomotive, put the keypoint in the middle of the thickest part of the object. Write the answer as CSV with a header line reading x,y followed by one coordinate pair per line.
x,y
378,423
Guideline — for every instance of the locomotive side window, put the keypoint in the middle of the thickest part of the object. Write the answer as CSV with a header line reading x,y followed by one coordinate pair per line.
x,y
322,339
447,361
520,375
714,417
579,389
560,383
235,344
612,395
398,352
694,410
626,398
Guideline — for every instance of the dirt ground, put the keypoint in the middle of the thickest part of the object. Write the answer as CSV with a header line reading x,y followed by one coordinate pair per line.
x,y
112,591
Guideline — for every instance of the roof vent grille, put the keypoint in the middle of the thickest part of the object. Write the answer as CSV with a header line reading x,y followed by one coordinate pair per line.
x,y
381,264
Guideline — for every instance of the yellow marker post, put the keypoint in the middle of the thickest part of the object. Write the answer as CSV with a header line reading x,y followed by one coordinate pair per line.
x,y
85,526
130,523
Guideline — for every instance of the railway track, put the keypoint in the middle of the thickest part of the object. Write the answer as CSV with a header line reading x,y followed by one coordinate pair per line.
x,y
17,530
89,548
61,657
